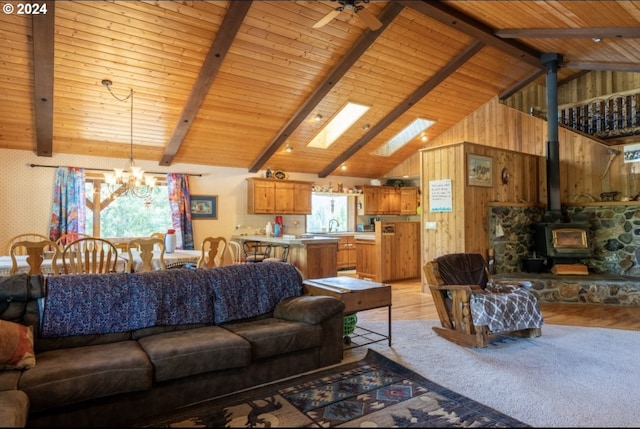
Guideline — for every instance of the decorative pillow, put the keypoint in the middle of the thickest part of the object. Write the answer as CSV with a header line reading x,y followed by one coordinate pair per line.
x,y
16,346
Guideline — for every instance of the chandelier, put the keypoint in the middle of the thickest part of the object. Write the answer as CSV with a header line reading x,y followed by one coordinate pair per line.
x,y
130,179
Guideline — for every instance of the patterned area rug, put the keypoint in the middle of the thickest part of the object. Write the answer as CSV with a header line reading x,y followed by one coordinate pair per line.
x,y
372,392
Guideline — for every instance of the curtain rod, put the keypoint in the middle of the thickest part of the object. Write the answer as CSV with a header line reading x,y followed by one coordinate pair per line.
x,y
104,169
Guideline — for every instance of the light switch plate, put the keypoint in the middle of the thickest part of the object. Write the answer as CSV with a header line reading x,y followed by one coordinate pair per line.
x,y
430,225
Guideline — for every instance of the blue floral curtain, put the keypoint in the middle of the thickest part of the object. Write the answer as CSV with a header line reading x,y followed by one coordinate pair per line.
x,y
180,203
68,213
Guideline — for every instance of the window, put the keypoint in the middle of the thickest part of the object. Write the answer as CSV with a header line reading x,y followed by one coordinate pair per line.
x,y
128,216
324,208
340,123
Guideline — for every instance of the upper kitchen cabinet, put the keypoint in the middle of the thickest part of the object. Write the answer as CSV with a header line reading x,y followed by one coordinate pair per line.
x,y
409,201
272,196
389,200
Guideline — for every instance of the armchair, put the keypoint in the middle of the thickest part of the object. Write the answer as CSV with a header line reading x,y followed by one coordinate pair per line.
x,y
474,309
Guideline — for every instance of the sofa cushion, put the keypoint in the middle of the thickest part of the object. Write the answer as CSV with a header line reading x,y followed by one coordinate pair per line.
x,y
16,346
309,309
14,408
195,351
78,374
272,336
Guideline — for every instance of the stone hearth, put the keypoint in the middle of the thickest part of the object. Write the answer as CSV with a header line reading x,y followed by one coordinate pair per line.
x,y
574,289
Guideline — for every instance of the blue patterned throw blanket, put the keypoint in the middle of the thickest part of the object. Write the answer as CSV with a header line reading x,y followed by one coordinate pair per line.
x,y
118,302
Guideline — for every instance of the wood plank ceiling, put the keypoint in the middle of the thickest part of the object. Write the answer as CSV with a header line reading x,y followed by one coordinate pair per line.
x,y
233,83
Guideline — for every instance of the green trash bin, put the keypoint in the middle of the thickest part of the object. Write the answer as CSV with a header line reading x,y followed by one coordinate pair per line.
x,y
349,324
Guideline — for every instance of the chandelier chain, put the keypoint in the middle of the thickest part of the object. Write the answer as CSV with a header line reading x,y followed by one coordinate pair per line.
x,y
135,182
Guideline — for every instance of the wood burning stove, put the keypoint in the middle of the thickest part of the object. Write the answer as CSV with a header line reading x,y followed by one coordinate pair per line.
x,y
562,243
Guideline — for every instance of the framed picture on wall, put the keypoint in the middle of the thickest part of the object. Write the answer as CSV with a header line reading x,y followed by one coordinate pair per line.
x,y
204,207
479,170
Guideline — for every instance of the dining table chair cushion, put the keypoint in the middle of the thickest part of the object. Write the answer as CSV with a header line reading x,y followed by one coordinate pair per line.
x,y
17,346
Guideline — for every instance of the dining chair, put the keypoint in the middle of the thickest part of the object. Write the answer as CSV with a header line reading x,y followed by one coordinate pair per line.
x,y
150,252
157,235
235,250
35,252
69,237
29,236
89,255
213,252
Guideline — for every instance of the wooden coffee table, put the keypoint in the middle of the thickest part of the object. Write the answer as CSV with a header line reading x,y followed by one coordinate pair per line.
x,y
357,295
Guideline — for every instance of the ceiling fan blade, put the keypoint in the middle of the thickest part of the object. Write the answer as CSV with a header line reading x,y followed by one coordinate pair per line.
x,y
369,19
327,18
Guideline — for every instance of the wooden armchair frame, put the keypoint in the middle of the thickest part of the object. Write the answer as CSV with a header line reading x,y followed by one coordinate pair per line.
x,y
453,304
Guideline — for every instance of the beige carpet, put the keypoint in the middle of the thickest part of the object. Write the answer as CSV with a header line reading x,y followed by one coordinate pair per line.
x,y
568,377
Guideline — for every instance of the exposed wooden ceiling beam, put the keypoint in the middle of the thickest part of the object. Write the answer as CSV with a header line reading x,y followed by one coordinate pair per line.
x,y
225,36
387,15
407,104
601,66
568,33
43,26
479,31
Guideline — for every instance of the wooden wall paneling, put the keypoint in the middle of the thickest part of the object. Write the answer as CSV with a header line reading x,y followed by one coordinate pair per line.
x,y
476,225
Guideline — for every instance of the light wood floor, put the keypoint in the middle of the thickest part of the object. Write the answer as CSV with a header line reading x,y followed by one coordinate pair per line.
x,y
409,303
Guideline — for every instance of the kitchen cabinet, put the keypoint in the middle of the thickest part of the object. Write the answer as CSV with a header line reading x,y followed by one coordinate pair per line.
x,y
394,253
366,259
272,196
389,200
346,252
409,201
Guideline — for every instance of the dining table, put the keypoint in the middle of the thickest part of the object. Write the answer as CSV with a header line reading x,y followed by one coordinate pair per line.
x,y
46,266
176,259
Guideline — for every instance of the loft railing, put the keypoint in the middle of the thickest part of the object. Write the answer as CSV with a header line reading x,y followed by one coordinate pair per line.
x,y
614,117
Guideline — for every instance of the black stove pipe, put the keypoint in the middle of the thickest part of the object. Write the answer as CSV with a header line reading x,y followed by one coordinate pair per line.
x,y
553,147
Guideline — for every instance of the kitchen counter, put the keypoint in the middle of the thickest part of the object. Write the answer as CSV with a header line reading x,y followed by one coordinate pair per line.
x,y
291,240
314,255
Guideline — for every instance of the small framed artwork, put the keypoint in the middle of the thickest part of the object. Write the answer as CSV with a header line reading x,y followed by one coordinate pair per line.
x,y
479,170
204,207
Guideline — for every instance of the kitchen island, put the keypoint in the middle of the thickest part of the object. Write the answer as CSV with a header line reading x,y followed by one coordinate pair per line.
x,y
315,256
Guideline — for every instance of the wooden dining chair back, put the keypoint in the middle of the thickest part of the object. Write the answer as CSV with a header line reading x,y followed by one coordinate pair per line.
x,y
29,236
69,237
35,252
89,256
151,252
460,281
159,235
213,252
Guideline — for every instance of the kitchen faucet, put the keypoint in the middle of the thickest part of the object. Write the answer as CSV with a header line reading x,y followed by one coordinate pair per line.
x,y
331,224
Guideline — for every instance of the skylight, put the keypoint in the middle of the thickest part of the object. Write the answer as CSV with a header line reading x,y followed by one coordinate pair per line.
x,y
413,130
340,123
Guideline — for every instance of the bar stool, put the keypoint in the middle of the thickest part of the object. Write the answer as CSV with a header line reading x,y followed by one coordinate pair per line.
x,y
284,254
256,251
